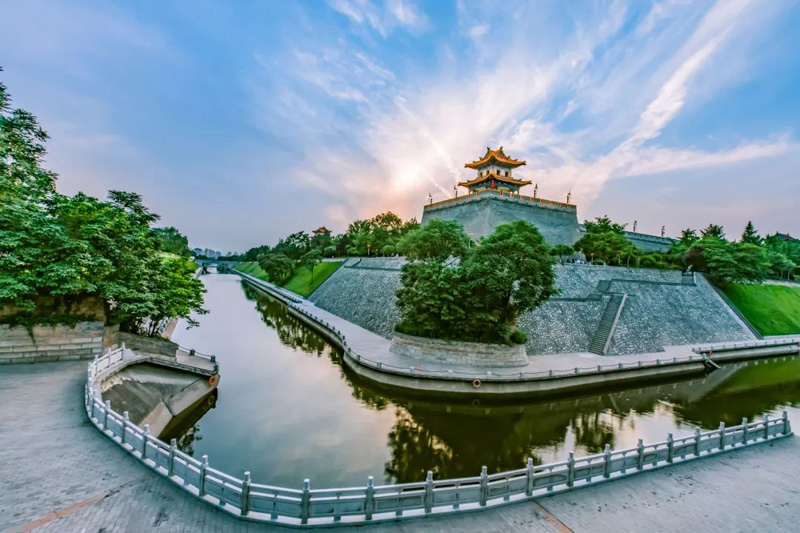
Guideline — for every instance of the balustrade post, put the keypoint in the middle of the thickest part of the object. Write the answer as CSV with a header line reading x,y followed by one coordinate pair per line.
x,y
670,448
173,444
571,469
529,475
722,436
745,431
91,403
244,504
484,487
429,492
607,461
787,427
201,489
105,415
144,441
125,420
697,442
640,455
305,503
369,504
766,427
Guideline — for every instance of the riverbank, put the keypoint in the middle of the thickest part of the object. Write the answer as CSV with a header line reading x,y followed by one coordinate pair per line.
x,y
369,356
46,486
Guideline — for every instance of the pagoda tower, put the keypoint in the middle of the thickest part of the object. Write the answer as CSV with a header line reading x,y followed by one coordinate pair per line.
x,y
495,171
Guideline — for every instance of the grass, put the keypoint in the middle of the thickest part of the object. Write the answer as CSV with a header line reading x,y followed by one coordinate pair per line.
x,y
772,309
300,283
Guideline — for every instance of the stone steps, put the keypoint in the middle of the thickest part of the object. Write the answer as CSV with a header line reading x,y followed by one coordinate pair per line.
x,y
605,329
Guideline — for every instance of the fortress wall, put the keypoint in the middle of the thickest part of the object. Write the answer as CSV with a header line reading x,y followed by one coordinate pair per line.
x,y
654,316
657,315
480,215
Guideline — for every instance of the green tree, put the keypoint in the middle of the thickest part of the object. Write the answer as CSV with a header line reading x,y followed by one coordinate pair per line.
x,y
605,241
511,272
277,266
172,240
688,237
67,248
750,235
713,231
438,241
310,260
561,251
479,297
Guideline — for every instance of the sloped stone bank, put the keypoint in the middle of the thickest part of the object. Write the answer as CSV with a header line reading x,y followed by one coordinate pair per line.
x,y
660,310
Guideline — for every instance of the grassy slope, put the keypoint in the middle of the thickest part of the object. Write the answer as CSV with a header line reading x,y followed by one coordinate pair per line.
x,y
300,283
772,309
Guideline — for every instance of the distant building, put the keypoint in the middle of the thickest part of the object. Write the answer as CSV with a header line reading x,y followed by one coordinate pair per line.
x,y
322,230
493,198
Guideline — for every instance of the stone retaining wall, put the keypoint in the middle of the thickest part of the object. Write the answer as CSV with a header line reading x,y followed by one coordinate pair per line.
x,y
459,353
660,311
115,338
40,344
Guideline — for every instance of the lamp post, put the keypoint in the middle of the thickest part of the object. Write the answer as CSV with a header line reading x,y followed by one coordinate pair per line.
x,y
455,191
430,198
369,245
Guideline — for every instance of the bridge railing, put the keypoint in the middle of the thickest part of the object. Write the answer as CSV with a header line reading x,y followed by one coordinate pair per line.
x,y
308,507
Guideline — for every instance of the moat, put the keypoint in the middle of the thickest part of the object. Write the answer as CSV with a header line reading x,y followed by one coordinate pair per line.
x,y
287,409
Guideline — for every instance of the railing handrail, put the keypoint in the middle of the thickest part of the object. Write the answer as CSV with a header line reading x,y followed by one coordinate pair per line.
x,y
371,503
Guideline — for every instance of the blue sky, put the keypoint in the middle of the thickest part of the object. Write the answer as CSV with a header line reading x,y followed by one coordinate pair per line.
x,y
240,122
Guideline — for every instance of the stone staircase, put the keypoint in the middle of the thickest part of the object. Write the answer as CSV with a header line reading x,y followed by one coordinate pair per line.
x,y
608,323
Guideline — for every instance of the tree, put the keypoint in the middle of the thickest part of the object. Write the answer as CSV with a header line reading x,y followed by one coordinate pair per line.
x,y
310,260
713,231
479,297
438,241
605,241
512,271
561,251
750,235
725,262
67,248
172,240
277,266
294,246
688,237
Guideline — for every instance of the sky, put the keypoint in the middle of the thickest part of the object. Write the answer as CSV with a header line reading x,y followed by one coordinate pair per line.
x,y
241,122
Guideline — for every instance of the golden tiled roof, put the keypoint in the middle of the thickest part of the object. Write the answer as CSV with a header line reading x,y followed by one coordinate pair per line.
x,y
497,157
495,176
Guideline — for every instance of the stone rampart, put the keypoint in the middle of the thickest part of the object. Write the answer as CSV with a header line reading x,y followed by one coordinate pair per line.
x,y
458,353
481,214
19,344
660,310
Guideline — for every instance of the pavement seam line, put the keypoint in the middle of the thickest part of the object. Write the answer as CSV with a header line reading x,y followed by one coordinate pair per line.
x,y
77,506
550,517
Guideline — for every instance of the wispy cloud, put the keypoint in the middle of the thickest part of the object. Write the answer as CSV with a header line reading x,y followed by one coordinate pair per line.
x,y
414,137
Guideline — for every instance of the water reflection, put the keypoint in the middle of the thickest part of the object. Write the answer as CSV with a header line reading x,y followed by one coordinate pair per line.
x,y
321,421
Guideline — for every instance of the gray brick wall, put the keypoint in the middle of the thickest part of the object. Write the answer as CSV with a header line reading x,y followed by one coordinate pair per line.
x,y
658,312
50,343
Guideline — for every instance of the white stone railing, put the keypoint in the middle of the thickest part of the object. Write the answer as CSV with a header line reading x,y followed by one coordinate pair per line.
x,y
370,503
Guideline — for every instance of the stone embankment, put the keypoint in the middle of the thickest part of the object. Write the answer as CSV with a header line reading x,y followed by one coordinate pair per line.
x,y
41,344
661,308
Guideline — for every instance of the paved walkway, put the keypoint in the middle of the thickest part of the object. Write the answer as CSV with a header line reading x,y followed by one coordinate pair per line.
x,y
58,473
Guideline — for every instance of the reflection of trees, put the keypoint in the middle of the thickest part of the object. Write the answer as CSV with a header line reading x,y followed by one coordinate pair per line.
x,y
751,391
594,430
291,331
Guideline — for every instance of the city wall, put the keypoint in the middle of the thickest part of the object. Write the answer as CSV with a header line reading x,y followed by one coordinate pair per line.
x,y
661,310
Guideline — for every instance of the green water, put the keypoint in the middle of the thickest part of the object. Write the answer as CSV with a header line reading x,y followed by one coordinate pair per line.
x,y
288,410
